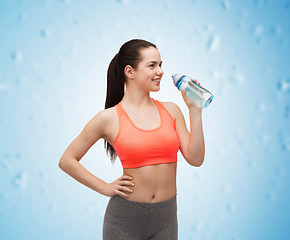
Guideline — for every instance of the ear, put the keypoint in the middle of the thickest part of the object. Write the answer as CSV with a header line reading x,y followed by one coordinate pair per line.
x,y
129,72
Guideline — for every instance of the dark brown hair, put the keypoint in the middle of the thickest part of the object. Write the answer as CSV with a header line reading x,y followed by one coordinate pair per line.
x,y
129,54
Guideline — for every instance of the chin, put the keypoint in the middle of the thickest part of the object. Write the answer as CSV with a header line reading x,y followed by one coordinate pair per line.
x,y
154,90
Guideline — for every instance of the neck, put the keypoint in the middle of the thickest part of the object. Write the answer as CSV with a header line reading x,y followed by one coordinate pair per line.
x,y
136,98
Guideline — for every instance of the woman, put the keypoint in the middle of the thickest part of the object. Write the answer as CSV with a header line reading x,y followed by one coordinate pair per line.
x,y
146,135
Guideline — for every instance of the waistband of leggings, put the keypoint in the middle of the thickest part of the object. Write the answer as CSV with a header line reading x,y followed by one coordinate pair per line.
x,y
145,204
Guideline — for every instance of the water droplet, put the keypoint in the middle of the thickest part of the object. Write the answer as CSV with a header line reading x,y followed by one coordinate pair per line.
x,y
258,30
213,43
251,163
225,4
272,196
20,181
5,164
277,30
227,188
4,87
65,106
22,17
284,141
262,107
208,28
241,25
286,111
283,85
231,207
46,33
123,1
17,56
237,78
17,155
264,138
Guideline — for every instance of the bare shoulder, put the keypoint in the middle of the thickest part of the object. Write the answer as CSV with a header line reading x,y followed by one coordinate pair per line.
x,y
172,108
107,115
109,123
102,121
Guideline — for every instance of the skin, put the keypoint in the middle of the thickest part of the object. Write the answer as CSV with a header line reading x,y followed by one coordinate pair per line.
x,y
152,183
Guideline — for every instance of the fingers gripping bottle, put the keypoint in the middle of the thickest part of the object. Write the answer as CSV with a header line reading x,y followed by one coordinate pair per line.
x,y
199,95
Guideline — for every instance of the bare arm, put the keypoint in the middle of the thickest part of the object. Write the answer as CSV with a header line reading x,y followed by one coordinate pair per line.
x,y
193,147
69,161
192,144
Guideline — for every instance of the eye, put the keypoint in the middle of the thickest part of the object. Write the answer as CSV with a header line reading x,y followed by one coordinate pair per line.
x,y
152,65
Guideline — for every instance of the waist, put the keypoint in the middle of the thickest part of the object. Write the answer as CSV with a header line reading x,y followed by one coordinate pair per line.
x,y
153,183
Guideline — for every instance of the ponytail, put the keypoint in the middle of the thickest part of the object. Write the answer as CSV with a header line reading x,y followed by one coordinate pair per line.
x,y
129,54
115,93
115,84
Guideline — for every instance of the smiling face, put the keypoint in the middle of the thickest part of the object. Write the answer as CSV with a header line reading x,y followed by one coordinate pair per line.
x,y
148,73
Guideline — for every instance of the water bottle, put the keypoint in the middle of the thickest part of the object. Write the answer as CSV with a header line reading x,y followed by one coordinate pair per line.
x,y
199,95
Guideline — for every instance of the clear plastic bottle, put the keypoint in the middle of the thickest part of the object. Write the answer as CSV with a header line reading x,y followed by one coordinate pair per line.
x,y
199,95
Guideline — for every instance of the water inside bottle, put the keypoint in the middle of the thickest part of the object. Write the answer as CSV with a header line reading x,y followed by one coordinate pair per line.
x,y
200,102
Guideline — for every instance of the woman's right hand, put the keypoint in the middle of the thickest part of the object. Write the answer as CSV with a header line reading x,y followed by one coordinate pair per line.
x,y
118,187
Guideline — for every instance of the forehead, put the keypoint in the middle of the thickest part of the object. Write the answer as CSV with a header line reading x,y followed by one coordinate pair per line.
x,y
149,54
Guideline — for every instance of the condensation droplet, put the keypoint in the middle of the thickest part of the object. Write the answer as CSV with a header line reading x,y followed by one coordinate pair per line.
x,y
123,1
20,181
46,33
262,107
258,30
241,25
283,141
250,163
53,207
5,164
283,85
272,196
208,28
261,3
286,111
4,87
264,138
22,17
277,30
17,56
65,106
213,43
231,207
227,188
258,122
225,4
17,155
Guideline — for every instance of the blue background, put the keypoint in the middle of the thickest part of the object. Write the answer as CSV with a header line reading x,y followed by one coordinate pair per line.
x,y
53,63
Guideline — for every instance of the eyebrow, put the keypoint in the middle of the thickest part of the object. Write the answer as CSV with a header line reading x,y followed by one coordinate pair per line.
x,y
154,62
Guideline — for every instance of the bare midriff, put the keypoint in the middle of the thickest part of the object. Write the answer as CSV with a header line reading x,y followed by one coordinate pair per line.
x,y
154,183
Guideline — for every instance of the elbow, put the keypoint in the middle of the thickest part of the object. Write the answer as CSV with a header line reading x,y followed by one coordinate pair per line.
x,y
61,164
196,162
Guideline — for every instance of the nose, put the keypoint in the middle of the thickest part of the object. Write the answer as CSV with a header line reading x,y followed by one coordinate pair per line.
x,y
160,72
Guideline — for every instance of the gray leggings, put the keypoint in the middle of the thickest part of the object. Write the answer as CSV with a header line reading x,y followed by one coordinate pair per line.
x,y
130,220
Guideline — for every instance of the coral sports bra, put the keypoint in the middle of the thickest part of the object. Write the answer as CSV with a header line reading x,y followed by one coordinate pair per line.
x,y
138,147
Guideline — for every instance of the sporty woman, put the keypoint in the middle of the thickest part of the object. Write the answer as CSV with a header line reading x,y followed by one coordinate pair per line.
x,y
146,135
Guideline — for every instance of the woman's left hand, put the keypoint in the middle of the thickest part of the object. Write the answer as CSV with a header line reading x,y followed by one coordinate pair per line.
x,y
190,104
